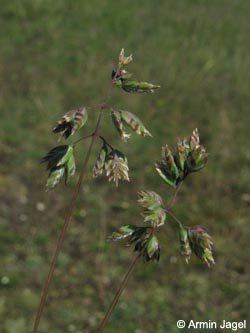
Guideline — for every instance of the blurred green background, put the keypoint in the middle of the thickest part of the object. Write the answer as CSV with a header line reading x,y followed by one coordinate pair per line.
x,y
55,56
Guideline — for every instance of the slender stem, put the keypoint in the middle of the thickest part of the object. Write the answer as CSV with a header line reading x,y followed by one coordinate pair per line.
x,y
82,138
118,294
65,225
105,141
172,201
168,211
123,284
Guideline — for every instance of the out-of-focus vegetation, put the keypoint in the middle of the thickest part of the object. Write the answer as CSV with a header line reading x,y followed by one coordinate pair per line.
x,y
58,55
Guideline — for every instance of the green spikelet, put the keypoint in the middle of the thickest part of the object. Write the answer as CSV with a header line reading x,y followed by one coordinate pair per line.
x,y
153,212
201,243
61,163
119,124
116,167
180,156
185,248
137,87
100,162
71,122
167,168
134,123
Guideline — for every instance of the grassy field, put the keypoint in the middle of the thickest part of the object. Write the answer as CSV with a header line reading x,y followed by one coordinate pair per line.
x,y
58,55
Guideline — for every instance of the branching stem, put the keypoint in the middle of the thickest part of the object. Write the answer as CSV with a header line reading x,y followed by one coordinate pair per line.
x,y
172,200
105,141
133,264
82,138
170,213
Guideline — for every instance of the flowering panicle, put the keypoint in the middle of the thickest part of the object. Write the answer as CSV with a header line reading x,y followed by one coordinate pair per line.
x,y
189,157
